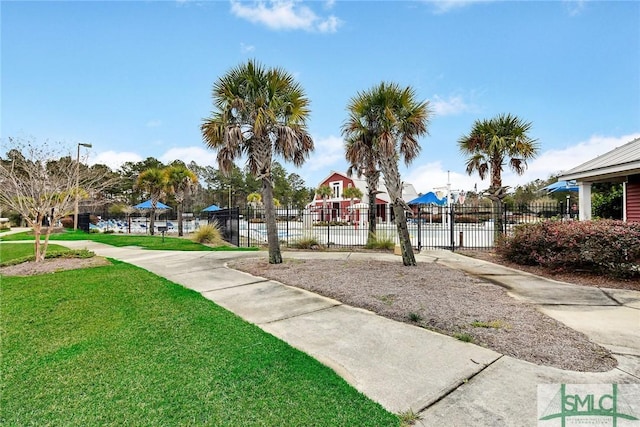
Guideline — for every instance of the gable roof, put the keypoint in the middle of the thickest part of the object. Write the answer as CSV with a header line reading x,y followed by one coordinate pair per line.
x,y
408,190
621,161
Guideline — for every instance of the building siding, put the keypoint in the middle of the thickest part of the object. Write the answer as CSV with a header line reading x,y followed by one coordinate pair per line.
x,y
633,199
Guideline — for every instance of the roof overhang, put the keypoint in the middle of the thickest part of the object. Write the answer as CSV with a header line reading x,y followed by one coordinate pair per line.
x,y
611,173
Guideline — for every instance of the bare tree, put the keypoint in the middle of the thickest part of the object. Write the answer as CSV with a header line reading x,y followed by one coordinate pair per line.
x,y
40,185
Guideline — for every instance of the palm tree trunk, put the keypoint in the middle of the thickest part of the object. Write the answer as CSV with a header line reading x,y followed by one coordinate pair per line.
x,y
180,233
152,221
394,187
496,186
371,237
275,256
498,223
372,184
408,257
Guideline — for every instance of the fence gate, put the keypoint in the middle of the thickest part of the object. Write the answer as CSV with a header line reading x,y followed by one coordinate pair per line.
x,y
228,221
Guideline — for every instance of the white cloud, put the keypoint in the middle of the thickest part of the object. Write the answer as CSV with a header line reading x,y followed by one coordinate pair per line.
x,y
246,48
431,176
284,15
552,162
114,159
154,123
328,151
450,106
574,7
329,25
444,6
200,155
327,156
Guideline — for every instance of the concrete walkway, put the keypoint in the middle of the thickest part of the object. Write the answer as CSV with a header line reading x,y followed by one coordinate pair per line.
x,y
401,366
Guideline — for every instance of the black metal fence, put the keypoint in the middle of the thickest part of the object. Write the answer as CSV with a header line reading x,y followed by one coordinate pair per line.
x,y
454,227
228,220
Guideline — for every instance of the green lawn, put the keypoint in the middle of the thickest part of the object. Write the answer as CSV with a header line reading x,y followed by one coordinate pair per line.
x,y
146,242
117,345
22,251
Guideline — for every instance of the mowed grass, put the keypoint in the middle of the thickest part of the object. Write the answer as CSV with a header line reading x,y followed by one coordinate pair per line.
x,y
117,345
119,240
18,251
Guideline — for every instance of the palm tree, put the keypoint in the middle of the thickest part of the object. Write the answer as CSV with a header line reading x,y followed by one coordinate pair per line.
x,y
180,180
325,192
352,193
389,119
490,146
154,182
259,113
362,157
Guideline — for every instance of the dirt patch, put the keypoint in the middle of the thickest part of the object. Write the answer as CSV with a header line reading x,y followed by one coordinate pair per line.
x,y
444,300
52,265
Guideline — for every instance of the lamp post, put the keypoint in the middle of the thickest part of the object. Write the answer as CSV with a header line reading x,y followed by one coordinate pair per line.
x,y
75,211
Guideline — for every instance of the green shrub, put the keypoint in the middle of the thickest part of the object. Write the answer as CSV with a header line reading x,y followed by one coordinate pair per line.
x,y
380,241
331,224
606,247
209,233
466,219
414,317
306,242
463,336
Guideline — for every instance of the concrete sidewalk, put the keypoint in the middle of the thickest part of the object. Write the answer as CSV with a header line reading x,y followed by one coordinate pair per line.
x,y
401,366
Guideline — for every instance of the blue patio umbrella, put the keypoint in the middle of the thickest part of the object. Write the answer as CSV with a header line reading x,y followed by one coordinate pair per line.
x,y
147,205
562,186
211,208
428,199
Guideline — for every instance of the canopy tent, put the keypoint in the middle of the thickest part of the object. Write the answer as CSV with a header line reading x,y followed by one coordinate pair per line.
x,y
147,205
211,208
562,186
428,199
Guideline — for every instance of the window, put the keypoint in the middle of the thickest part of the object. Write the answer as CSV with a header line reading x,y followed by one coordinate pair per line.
x,y
337,189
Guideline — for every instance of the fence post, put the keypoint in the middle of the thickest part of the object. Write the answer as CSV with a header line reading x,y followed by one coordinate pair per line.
x,y
419,233
328,233
451,230
504,220
248,227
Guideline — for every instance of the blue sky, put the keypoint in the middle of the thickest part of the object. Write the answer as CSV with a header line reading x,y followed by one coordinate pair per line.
x,y
134,79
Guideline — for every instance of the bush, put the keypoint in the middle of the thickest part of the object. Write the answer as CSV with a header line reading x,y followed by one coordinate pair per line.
x,y
306,242
331,224
381,241
209,233
607,247
67,222
467,219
